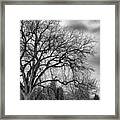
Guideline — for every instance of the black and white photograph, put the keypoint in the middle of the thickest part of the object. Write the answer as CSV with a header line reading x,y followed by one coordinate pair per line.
x,y
60,54
60,60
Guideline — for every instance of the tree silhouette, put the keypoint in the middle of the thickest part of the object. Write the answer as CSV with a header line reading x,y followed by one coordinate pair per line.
x,y
45,45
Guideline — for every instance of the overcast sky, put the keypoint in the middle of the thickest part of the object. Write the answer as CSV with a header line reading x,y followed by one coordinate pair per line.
x,y
92,26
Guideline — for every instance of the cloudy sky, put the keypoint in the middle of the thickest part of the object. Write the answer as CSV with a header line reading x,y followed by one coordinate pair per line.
x,y
92,26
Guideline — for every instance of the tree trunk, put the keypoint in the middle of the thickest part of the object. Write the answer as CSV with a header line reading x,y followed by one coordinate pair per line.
x,y
23,96
27,97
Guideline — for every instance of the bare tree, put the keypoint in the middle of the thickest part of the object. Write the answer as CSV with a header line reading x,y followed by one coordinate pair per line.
x,y
45,45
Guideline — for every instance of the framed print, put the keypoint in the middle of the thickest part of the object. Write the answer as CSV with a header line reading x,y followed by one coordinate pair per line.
x,y
59,59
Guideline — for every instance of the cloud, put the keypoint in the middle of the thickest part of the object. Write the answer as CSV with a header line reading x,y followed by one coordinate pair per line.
x,y
95,60
87,25
79,25
95,30
93,27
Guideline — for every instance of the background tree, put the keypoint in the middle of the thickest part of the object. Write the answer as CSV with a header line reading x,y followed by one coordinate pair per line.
x,y
45,45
